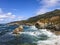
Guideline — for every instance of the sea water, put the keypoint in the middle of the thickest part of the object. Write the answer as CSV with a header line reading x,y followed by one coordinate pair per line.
x,y
30,36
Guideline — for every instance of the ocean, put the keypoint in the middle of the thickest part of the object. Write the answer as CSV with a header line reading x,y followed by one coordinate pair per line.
x,y
30,36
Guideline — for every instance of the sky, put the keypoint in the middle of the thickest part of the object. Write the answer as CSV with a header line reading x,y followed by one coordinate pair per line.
x,y
16,10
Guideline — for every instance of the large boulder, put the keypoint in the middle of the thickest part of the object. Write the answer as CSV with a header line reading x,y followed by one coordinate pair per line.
x,y
40,25
17,30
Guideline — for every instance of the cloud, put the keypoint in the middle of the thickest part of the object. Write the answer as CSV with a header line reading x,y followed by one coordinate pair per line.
x,y
47,5
8,17
1,19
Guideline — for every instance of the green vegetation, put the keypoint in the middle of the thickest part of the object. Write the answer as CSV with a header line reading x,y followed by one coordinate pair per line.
x,y
45,16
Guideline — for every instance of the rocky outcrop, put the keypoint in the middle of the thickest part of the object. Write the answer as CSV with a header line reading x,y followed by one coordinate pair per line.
x,y
28,24
40,25
17,30
44,25
12,24
57,27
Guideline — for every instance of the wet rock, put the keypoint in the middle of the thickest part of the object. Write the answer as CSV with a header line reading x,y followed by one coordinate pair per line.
x,y
17,30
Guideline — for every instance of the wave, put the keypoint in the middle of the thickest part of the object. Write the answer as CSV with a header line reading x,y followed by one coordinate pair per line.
x,y
32,35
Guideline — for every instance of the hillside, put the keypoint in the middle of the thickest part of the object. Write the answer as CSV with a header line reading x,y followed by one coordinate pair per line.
x,y
34,19
44,16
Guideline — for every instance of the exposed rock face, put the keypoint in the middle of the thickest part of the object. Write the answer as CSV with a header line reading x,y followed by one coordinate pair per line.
x,y
45,25
40,25
54,27
17,30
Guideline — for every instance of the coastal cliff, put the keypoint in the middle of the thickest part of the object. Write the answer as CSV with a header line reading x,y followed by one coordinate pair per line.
x,y
47,16
49,20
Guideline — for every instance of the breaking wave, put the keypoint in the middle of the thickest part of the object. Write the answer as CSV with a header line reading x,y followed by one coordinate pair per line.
x,y
31,35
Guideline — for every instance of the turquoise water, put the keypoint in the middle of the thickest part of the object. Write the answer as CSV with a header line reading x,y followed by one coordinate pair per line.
x,y
30,35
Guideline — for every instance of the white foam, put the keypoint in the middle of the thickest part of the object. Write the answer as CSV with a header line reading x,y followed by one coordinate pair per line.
x,y
36,33
33,27
48,33
52,41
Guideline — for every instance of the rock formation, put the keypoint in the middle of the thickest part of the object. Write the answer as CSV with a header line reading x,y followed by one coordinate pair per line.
x,y
40,25
57,27
17,30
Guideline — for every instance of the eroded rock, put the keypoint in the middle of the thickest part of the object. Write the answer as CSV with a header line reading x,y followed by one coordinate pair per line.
x,y
17,30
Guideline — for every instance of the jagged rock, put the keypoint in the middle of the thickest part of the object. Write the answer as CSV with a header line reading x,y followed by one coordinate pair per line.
x,y
17,30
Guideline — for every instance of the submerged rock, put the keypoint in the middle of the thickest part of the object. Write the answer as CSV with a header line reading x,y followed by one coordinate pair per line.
x,y
17,30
